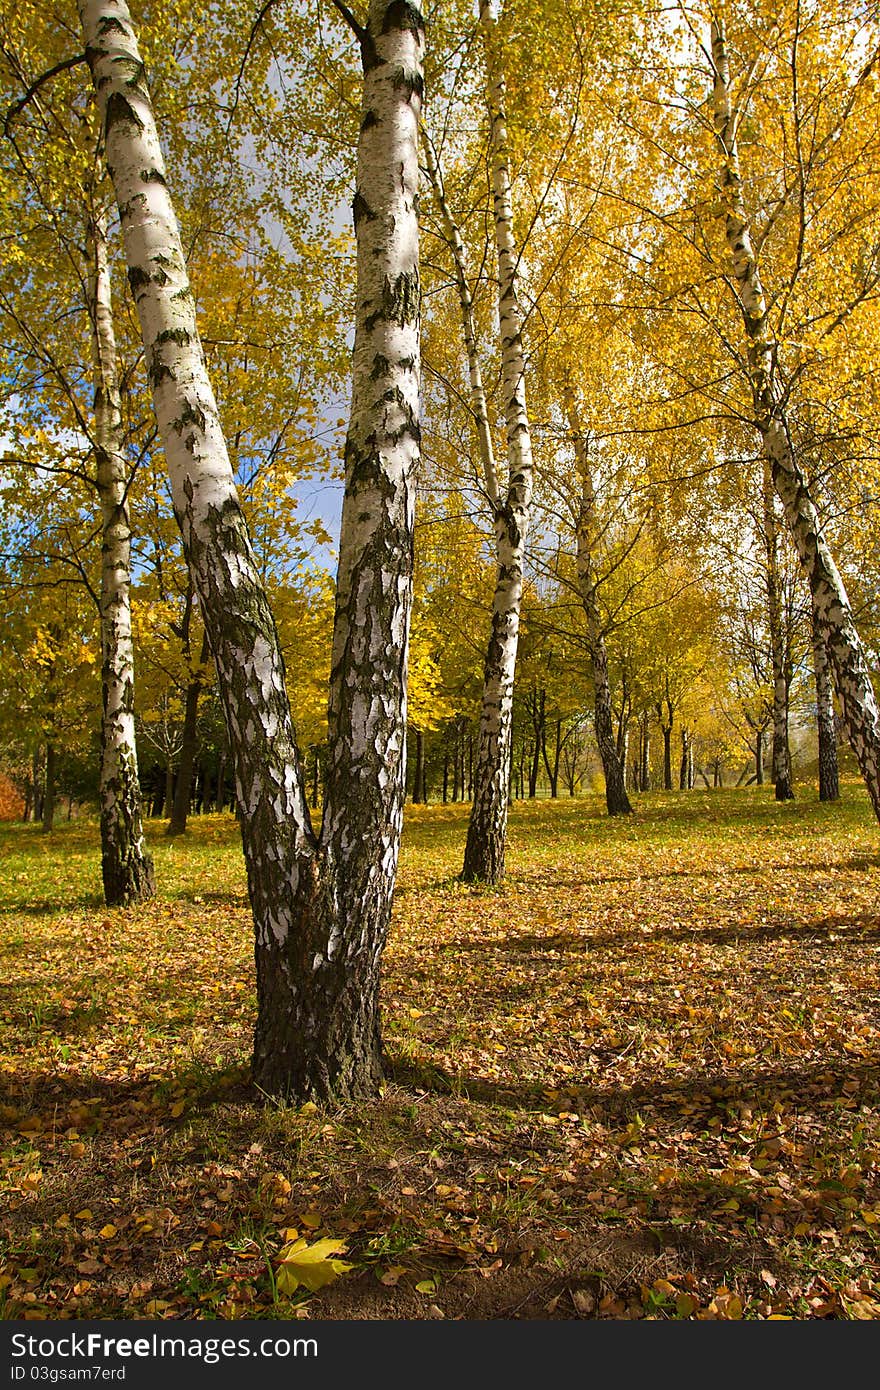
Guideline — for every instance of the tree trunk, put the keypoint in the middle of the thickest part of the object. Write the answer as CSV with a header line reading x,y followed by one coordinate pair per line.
x,y
830,601
183,787
622,746
683,765
220,797
645,753
487,829
759,757
49,793
826,725
781,776
445,770
321,905
417,777
126,867
613,764
534,768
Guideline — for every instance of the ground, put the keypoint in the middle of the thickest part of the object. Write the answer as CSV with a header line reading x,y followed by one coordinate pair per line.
x,y
639,1080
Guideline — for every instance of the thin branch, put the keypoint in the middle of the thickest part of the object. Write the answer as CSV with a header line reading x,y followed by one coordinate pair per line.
x,y
18,106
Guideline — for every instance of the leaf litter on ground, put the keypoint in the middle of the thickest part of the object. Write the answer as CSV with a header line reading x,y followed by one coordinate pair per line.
x,y
637,1081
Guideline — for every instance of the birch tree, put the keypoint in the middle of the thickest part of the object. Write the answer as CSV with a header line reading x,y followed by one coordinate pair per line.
x,y
127,868
321,899
487,829
831,605
613,766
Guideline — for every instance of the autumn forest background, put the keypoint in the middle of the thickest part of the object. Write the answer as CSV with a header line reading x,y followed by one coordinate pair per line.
x,y
629,993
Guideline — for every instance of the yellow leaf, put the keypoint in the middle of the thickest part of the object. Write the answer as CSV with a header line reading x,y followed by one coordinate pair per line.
x,y
313,1266
107,1232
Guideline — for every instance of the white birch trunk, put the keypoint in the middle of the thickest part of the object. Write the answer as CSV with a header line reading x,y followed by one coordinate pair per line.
x,y
487,830
127,868
616,799
479,404
320,907
830,602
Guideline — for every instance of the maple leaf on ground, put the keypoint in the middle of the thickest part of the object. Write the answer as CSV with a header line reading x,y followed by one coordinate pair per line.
x,y
313,1266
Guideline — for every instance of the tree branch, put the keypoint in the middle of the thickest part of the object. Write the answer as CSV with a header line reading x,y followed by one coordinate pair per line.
x,y
18,106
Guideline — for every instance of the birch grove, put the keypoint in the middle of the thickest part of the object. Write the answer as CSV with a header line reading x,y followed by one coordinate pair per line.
x,y
829,596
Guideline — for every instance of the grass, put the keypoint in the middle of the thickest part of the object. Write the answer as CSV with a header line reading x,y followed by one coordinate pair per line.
x,y
638,1080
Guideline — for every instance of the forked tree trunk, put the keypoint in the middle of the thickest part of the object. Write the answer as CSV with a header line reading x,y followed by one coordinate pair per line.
x,y
613,765
830,602
826,724
321,904
126,867
487,829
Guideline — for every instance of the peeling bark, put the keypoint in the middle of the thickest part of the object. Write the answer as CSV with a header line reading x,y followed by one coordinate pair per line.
x,y
321,905
487,828
830,601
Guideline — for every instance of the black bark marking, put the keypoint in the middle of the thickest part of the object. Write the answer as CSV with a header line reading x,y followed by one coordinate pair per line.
x,y
109,25
159,371
402,14
138,278
360,209
409,82
119,109
192,414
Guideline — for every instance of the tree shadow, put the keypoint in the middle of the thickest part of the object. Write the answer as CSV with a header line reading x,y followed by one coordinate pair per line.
x,y
709,1092
864,927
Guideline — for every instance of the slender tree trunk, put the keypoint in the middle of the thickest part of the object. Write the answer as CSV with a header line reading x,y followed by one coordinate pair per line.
x,y
759,757
782,775
445,769
826,725
622,746
534,768
417,776
613,765
126,867
683,765
183,783
667,757
321,905
487,830
189,743
49,793
830,602
645,753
